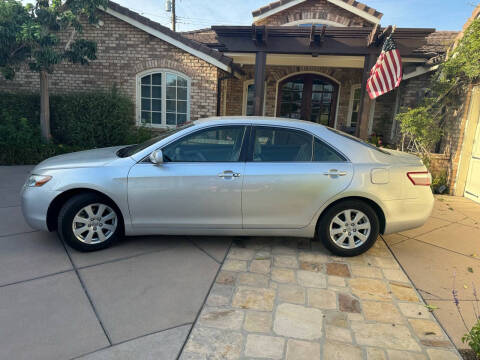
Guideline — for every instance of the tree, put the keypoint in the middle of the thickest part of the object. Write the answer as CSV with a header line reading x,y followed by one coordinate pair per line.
x,y
44,35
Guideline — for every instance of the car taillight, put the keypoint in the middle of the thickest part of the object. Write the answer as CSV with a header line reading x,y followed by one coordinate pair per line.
x,y
420,178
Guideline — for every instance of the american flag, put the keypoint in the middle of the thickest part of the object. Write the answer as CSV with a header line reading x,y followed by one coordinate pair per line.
x,y
386,75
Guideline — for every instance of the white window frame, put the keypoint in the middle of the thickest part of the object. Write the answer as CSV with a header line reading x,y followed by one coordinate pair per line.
x,y
350,104
138,84
246,84
350,109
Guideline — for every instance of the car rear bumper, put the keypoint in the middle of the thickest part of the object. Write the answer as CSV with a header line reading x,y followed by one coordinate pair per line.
x,y
408,214
35,203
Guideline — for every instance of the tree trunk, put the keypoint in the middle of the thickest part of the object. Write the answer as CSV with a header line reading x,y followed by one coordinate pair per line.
x,y
44,107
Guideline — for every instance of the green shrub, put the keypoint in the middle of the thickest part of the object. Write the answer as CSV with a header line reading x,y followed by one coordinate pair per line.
x,y
95,119
440,182
472,338
78,121
20,142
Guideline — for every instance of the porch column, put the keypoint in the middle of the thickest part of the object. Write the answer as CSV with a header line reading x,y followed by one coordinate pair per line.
x,y
260,62
365,102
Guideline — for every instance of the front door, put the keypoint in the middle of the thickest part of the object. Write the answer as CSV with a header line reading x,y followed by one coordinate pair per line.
x,y
309,97
472,187
199,184
289,176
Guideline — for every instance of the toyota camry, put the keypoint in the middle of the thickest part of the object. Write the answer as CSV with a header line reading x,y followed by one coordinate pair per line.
x,y
236,176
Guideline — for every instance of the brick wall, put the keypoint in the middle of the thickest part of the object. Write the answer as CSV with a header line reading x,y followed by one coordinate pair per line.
x,y
439,163
383,116
124,51
447,156
315,9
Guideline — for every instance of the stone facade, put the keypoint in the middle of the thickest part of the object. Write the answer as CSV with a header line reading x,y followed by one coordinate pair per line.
x,y
123,52
315,9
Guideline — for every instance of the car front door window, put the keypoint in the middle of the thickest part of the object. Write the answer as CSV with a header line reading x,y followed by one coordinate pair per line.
x,y
218,144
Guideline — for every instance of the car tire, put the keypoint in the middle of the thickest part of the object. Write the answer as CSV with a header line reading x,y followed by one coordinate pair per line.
x,y
348,238
89,222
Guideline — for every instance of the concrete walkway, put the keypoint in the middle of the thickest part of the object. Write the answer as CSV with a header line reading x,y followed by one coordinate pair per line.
x,y
282,299
136,300
447,245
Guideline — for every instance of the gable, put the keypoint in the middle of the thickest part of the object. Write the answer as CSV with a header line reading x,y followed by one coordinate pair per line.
x,y
176,39
333,12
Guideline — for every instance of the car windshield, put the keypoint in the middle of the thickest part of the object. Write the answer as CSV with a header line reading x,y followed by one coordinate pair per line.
x,y
133,149
371,146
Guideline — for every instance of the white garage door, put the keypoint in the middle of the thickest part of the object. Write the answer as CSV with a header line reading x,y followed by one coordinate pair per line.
x,y
472,188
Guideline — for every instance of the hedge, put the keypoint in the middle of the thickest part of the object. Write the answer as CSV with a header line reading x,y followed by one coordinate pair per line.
x,y
78,121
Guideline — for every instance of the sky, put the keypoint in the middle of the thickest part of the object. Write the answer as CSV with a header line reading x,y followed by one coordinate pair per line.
x,y
197,14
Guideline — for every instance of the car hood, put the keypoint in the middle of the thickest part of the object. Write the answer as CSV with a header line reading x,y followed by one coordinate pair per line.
x,y
88,158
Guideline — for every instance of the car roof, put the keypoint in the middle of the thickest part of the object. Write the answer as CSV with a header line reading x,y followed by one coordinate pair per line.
x,y
260,120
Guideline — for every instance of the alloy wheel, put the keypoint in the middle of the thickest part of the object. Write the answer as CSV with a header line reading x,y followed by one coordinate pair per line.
x,y
350,228
94,223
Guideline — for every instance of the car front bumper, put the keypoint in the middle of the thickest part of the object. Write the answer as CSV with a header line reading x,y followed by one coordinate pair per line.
x,y
35,204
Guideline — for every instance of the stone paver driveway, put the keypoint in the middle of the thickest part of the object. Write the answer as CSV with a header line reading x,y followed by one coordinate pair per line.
x,y
137,300
281,299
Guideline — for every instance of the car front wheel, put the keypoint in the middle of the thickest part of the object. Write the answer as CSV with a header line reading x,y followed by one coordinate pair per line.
x,y
349,228
88,222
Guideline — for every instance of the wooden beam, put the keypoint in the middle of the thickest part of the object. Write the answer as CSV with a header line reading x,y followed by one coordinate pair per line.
x,y
315,38
372,38
259,34
312,35
260,64
365,102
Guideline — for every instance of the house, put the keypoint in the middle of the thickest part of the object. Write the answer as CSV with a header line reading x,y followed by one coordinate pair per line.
x,y
462,147
303,59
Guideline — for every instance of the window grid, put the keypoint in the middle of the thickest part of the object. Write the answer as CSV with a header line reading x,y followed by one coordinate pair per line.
x,y
164,99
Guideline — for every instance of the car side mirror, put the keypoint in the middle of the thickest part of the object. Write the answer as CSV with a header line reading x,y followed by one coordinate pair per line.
x,y
156,157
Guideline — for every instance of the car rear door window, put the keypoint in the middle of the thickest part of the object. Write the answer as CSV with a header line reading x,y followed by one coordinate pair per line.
x,y
217,144
275,144
325,153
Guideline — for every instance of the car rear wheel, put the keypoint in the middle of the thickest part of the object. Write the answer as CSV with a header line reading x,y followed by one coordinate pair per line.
x,y
88,222
349,228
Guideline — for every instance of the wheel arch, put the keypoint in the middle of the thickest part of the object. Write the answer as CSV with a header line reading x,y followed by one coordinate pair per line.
x,y
58,202
373,204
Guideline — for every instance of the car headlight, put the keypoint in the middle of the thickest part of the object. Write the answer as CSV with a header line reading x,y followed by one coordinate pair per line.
x,y
38,180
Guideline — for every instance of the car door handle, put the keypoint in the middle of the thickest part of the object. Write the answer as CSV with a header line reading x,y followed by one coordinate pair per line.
x,y
335,172
228,174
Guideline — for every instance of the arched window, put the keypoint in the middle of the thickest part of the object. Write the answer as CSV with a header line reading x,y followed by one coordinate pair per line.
x,y
308,97
163,98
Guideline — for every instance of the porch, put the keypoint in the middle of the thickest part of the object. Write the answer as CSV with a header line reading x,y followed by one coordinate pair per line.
x,y
314,74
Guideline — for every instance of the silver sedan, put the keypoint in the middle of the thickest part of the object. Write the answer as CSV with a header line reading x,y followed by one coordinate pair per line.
x,y
232,177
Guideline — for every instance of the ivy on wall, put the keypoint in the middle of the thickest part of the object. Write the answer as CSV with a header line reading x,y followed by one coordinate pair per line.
x,y
425,124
